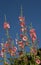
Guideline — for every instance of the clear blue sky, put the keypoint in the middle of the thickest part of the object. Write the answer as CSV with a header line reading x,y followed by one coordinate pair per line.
x,y
31,11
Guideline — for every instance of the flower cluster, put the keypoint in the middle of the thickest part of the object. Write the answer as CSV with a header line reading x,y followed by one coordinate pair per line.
x,y
18,54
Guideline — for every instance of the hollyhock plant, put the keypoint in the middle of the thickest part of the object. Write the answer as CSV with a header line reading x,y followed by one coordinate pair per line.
x,y
17,54
13,51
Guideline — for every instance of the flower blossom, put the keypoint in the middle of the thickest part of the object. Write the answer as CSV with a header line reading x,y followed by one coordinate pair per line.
x,y
24,38
38,61
21,44
33,34
22,24
21,18
6,25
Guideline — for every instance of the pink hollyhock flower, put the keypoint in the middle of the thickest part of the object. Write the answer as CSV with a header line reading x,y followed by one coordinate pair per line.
x,y
23,29
32,30
14,49
21,18
22,24
21,44
33,39
33,35
24,38
6,25
38,61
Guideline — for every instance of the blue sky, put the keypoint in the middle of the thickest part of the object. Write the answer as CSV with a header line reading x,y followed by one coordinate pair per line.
x,y
31,11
